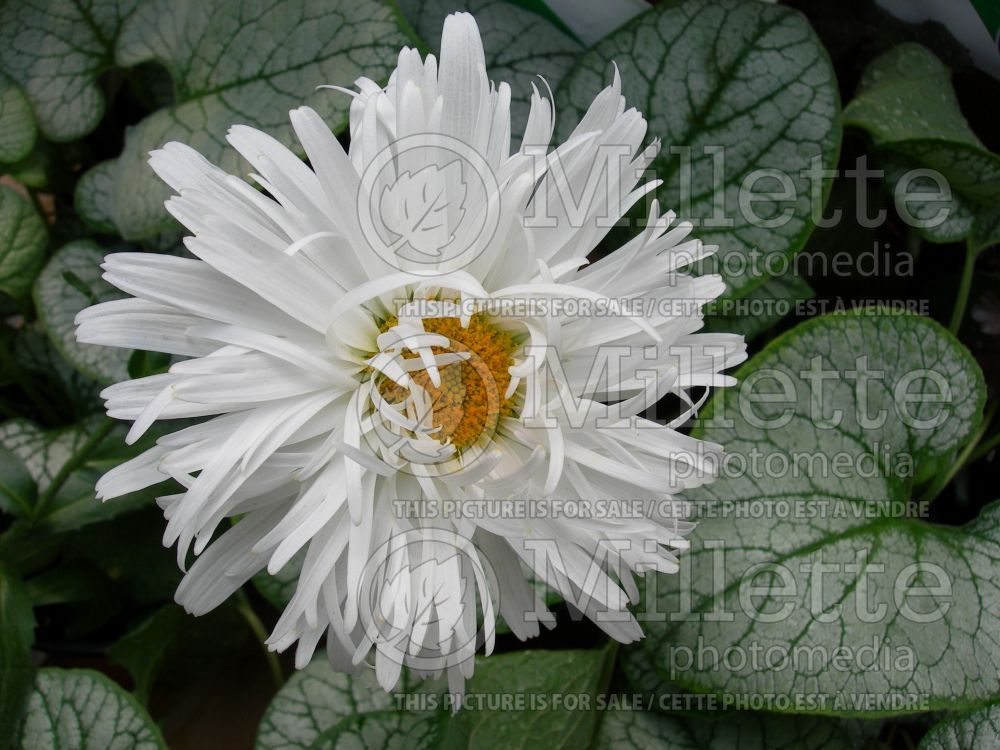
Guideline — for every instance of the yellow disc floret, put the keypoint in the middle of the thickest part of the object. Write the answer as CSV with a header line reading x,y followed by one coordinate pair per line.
x,y
471,398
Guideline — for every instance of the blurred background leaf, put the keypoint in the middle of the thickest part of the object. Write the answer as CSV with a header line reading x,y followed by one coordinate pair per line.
x,y
245,63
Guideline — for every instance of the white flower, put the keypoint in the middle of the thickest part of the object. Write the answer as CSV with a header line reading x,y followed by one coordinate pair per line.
x,y
326,329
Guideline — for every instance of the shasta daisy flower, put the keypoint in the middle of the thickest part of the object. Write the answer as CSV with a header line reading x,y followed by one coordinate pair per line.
x,y
409,326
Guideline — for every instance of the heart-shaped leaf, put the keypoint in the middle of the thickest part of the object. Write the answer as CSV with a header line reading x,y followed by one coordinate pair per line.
x,y
976,729
22,243
808,549
905,97
745,100
383,730
242,63
65,464
56,50
54,376
17,487
94,195
632,730
906,103
41,453
71,282
84,710
17,126
315,699
171,637
323,709
69,583
540,721
114,545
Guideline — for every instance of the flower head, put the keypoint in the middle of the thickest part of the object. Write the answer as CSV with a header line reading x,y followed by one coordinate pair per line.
x,y
404,359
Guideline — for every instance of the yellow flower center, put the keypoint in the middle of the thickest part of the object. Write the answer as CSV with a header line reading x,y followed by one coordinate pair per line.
x,y
471,398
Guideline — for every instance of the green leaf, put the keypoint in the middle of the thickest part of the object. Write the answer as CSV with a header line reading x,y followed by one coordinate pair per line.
x,y
22,243
906,103
383,730
986,230
68,583
761,309
935,208
315,699
905,96
114,545
17,632
66,464
322,709
56,50
17,489
632,730
978,729
17,126
242,62
745,80
53,375
70,282
42,453
93,197
520,45
170,637
84,710
639,673
142,650
26,553
816,472
538,676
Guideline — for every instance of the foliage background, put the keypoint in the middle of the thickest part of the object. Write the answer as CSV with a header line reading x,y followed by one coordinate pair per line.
x,y
92,651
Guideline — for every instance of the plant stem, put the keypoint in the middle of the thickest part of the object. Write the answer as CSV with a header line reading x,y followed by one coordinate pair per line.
x,y
914,243
72,464
958,313
985,448
610,659
42,214
962,459
260,633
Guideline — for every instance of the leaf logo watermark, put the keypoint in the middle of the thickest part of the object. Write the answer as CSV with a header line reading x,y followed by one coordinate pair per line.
x,y
416,210
428,201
